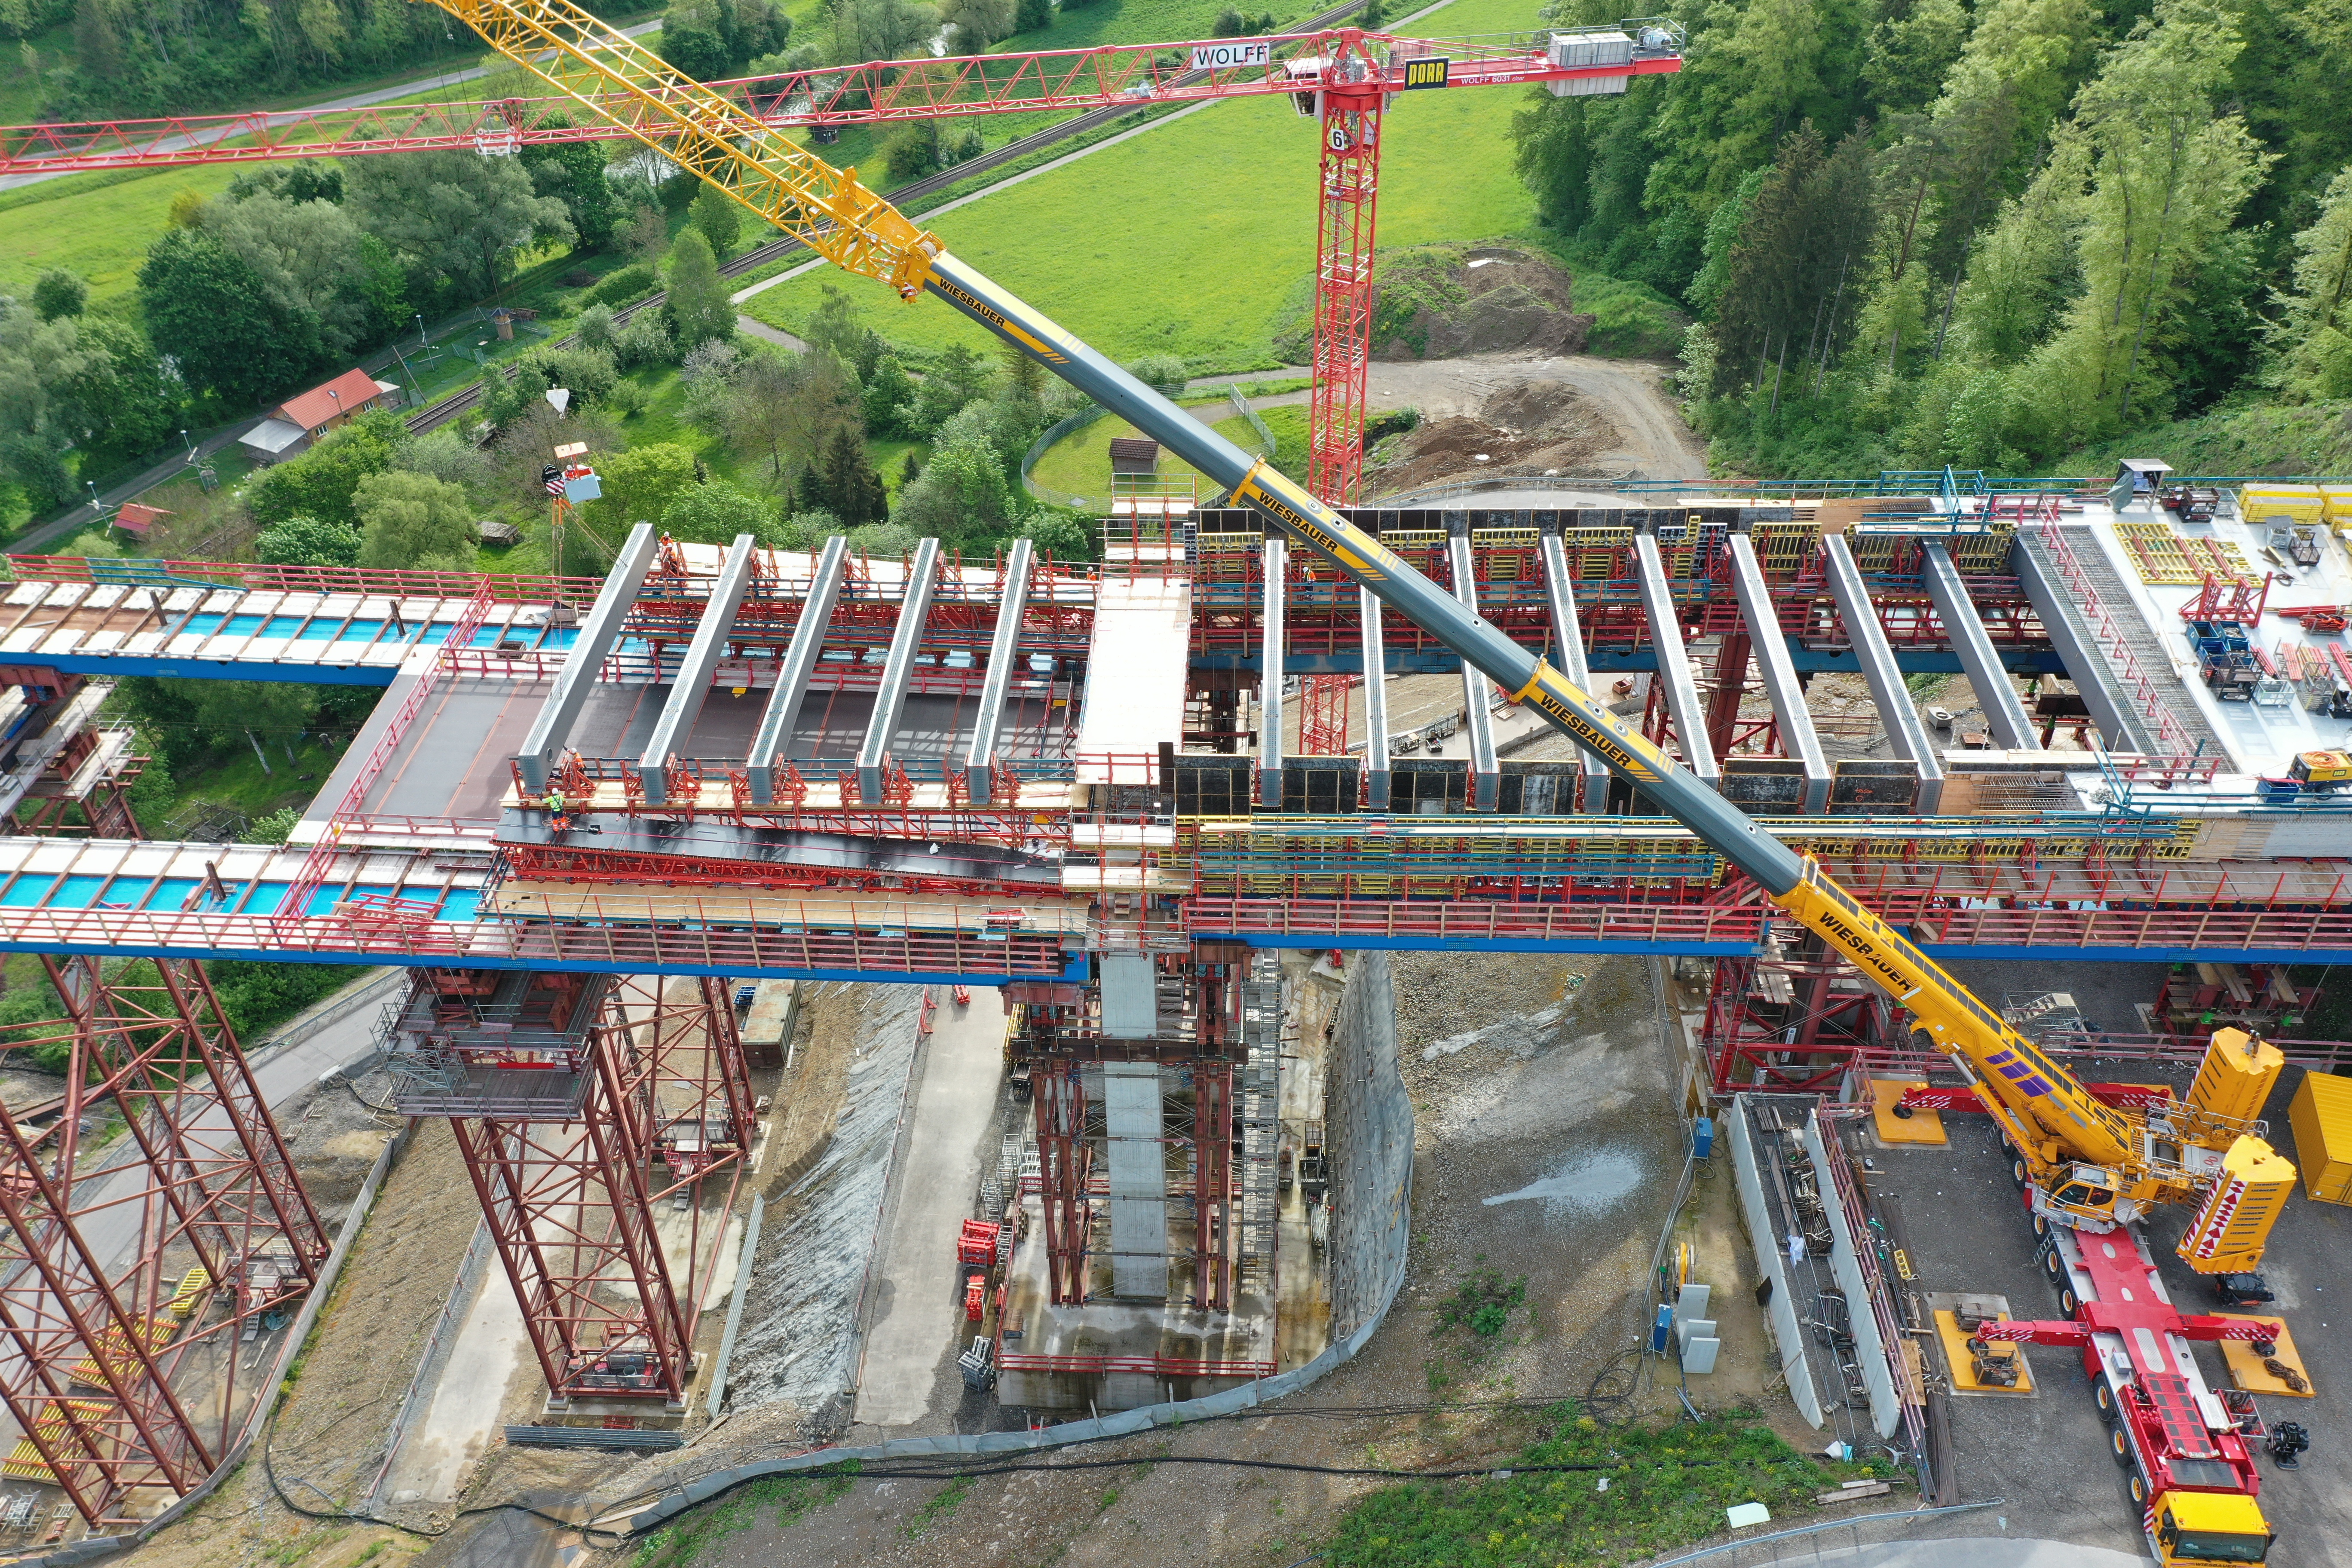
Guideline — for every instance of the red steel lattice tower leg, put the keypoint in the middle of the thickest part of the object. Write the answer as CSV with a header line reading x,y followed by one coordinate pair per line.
x,y
1065,1167
88,1267
1346,213
1323,715
1212,1185
571,1199
1344,223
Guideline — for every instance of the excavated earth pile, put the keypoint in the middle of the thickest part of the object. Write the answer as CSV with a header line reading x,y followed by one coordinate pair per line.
x,y
1523,427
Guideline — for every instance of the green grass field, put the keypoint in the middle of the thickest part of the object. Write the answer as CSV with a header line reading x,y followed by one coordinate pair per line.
x,y
96,224
1079,463
1184,240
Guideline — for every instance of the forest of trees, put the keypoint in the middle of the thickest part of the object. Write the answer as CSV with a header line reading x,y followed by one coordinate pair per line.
x,y
132,59
1921,233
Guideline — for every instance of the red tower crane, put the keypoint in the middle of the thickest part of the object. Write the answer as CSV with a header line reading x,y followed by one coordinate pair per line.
x,y
1344,78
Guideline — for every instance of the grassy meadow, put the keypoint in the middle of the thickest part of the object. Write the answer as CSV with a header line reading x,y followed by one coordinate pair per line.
x,y
1186,239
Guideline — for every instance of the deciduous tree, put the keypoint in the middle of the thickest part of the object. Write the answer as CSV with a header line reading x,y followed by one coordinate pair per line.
x,y
455,214
212,313
414,521
699,307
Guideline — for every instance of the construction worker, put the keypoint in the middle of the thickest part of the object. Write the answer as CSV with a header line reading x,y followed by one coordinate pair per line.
x,y
559,812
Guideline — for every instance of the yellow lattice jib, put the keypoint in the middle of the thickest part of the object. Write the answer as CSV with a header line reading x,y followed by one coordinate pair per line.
x,y
616,79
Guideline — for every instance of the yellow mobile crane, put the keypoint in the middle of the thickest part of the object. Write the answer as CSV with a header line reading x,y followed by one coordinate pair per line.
x,y
2087,1166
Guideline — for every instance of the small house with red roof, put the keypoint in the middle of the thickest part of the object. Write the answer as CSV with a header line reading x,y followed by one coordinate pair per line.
x,y
137,520
291,427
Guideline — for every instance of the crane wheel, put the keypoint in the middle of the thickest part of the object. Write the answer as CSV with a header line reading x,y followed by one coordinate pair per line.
x,y
2041,1225
2067,1304
2016,1171
2053,1266
2105,1398
2119,1446
2137,1486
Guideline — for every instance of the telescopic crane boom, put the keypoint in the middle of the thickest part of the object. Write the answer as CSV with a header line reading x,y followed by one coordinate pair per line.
x,y
2092,1165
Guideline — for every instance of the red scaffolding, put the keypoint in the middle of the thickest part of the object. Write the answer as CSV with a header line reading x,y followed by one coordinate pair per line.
x,y
582,1106
126,1287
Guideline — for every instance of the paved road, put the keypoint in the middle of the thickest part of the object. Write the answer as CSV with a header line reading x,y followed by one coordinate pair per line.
x,y
351,101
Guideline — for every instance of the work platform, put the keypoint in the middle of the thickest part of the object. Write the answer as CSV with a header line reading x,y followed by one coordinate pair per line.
x,y
812,764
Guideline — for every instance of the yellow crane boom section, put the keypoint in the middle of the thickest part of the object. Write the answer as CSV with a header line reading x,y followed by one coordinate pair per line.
x,y
595,66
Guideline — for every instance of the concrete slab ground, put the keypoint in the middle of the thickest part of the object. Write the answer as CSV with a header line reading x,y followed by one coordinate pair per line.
x,y
464,1416
915,1315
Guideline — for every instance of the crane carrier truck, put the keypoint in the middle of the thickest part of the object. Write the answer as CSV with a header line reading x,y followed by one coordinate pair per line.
x,y
2090,1170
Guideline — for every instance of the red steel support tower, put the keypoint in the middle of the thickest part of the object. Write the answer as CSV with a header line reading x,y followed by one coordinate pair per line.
x,y
101,1311
580,1113
1346,213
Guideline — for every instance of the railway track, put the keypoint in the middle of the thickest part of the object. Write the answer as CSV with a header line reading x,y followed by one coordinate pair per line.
x,y
435,415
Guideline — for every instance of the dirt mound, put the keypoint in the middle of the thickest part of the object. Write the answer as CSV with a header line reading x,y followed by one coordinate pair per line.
x,y
1438,303
1523,427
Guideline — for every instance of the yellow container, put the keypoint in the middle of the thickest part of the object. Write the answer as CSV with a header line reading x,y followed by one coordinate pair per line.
x,y
2300,504
2335,503
2321,1115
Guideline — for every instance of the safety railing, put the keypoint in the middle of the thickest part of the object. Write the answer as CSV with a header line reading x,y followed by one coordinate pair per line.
x,y
1145,1365
329,845
2109,633
2154,934
373,583
597,945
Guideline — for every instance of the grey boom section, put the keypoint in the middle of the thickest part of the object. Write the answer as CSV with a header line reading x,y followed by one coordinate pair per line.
x,y
1478,715
1904,728
1568,636
1003,653
775,737
1366,562
1376,700
688,693
898,668
549,731
1276,568
1674,659
2004,711
1797,737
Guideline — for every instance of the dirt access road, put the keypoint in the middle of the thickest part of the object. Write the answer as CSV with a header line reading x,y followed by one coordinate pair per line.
x,y
1655,443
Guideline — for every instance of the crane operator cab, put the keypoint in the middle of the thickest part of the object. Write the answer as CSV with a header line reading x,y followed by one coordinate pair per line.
x,y
2084,1192
2210,1527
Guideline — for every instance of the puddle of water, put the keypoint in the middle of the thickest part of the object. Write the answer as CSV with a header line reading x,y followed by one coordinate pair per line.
x,y
1591,1182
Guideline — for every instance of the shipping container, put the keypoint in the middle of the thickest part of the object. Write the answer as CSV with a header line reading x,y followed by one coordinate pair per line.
x,y
2321,1115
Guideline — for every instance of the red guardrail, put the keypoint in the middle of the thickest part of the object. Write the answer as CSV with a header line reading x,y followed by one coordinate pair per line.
x,y
375,583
